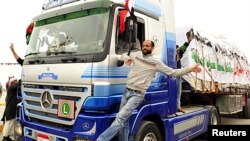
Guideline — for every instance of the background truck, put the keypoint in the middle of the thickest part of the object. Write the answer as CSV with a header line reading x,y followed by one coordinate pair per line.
x,y
72,86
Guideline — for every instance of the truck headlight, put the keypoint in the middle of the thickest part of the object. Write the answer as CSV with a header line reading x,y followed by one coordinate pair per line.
x,y
18,129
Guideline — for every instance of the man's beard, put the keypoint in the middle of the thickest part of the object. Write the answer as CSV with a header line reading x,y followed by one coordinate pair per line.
x,y
146,52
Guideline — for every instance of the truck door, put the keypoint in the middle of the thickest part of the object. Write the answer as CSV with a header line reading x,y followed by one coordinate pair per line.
x,y
118,75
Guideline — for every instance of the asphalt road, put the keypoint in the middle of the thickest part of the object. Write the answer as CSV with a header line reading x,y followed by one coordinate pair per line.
x,y
234,120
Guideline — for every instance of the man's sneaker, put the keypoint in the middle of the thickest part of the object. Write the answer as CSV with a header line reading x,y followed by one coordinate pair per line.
x,y
181,110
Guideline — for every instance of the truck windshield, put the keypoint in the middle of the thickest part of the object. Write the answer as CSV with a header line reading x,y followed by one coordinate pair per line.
x,y
81,32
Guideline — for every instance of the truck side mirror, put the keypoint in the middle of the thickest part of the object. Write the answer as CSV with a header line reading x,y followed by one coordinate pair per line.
x,y
131,29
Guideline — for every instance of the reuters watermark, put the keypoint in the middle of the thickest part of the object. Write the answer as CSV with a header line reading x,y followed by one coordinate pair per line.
x,y
241,132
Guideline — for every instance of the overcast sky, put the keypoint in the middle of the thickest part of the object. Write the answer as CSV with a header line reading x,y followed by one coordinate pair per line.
x,y
230,18
15,17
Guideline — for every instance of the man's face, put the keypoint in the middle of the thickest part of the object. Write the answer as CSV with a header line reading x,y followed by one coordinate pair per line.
x,y
14,82
147,47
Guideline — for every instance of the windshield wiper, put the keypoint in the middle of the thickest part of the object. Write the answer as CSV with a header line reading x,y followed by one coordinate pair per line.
x,y
66,52
71,58
61,52
37,60
32,53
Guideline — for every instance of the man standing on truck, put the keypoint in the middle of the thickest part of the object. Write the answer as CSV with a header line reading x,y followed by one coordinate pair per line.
x,y
180,51
139,79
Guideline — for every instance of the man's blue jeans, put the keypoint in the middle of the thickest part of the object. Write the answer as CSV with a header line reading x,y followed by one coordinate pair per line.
x,y
130,101
179,92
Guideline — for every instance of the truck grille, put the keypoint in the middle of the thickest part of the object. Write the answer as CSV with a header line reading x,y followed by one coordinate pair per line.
x,y
32,102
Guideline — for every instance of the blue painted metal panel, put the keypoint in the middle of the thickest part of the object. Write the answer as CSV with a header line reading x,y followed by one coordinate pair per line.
x,y
148,6
157,107
168,57
106,72
185,121
101,103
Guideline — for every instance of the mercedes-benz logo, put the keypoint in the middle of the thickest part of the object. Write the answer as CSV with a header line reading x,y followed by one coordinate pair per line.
x,y
46,100
85,126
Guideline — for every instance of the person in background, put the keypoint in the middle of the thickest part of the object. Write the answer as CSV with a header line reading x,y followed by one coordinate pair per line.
x,y
1,89
180,51
139,79
10,110
8,82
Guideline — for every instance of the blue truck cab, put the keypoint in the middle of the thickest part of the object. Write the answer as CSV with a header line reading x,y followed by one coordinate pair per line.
x,y
71,84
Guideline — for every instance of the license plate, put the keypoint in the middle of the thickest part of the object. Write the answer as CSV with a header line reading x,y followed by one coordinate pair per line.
x,y
42,137
66,108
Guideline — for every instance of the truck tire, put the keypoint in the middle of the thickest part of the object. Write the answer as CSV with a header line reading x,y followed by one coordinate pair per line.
x,y
214,119
148,131
214,116
246,109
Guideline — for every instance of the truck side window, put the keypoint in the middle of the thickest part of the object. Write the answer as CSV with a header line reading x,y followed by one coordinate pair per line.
x,y
122,46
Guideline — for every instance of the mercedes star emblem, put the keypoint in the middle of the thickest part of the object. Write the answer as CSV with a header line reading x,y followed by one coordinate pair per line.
x,y
46,100
85,126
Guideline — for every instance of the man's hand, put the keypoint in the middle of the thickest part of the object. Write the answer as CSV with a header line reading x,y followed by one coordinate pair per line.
x,y
11,47
128,61
196,68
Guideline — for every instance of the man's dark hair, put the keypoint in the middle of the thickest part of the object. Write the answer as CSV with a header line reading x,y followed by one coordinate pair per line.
x,y
152,44
188,34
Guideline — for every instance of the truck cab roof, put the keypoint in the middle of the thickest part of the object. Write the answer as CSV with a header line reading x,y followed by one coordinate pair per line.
x,y
149,7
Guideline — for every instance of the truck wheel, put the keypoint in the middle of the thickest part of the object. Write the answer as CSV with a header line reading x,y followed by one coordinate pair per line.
x,y
214,119
148,131
214,116
246,109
